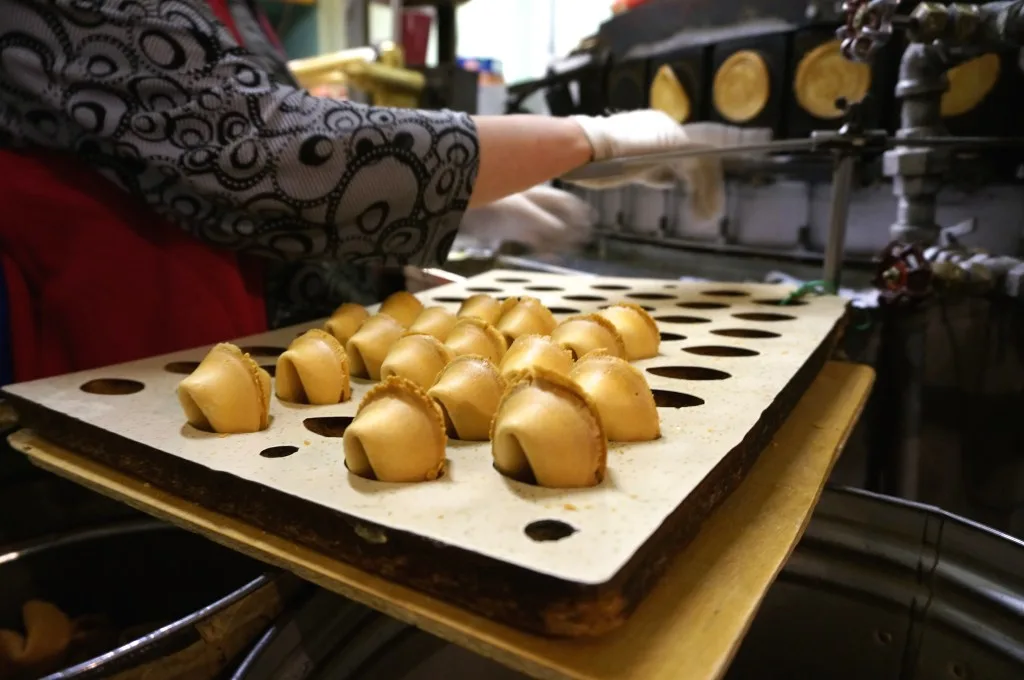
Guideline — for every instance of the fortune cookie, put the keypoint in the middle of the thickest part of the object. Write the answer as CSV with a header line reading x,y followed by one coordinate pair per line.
x,y
586,333
621,395
345,321
468,390
419,358
436,321
228,393
370,344
539,351
398,435
313,370
486,308
638,329
473,336
527,317
548,431
402,306
48,633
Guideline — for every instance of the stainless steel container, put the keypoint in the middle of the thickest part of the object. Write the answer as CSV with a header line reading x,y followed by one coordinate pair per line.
x,y
878,588
138,593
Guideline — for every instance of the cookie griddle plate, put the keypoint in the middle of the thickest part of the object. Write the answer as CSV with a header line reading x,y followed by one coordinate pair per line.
x,y
564,562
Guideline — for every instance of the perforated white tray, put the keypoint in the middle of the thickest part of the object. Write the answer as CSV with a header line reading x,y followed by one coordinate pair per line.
x,y
712,397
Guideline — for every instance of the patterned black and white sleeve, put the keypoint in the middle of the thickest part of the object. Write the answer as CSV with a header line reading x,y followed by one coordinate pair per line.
x,y
158,96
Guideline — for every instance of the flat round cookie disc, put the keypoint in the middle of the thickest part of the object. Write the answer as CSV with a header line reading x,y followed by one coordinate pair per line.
x,y
969,84
668,94
824,75
742,86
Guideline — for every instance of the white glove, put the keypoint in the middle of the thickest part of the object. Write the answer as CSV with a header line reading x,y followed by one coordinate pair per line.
x,y
651,131
543,218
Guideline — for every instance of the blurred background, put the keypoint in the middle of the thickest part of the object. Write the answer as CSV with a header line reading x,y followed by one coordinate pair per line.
x,y
913,566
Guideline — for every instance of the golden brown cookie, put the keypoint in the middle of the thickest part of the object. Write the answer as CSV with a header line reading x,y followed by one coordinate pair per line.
x,y
540,351
468,390
474,336
419,358
742,86
638,329
622,396
486,308
969,84
435,321
668,94
589,332
313,370
345,321
370,344
398,435
528,316
547,430
47,636
228,393
402,306
824,75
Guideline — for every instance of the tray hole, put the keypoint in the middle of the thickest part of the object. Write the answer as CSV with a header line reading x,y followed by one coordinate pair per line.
x,y
563,310
545,530
182,367
721,351
683,319
883,637
485,289
510,279
609,286
702,305
279,451
778,302
585,298
667,399
112,386
763,316
726,293
545,289
669,337
957,670
449,299
754,333
328,426
650,296
263,351
688,373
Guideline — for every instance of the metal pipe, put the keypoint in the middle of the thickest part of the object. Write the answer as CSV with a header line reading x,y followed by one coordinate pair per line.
x,y
917,172
842,185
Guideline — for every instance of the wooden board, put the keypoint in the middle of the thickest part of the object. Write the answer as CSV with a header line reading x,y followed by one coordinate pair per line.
x,y
694,618
463,537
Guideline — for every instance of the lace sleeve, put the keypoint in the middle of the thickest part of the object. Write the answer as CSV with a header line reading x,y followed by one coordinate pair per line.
x,y
157,96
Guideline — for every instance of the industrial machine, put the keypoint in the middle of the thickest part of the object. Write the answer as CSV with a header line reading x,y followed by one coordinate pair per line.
x,y
896,162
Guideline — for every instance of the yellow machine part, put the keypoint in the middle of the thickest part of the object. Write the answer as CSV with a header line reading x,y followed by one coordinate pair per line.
x,y
742,86
824,75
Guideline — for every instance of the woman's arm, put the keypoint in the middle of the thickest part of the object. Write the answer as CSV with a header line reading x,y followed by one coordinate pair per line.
x,y
158,97
519,152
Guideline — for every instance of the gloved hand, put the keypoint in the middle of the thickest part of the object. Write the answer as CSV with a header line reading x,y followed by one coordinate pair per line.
x,y
543,218
651,131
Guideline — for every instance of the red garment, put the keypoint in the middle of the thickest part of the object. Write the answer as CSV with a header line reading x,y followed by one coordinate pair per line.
x,y
95,278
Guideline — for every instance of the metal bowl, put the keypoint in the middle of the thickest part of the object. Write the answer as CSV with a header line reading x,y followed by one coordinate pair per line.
x,y
138,589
